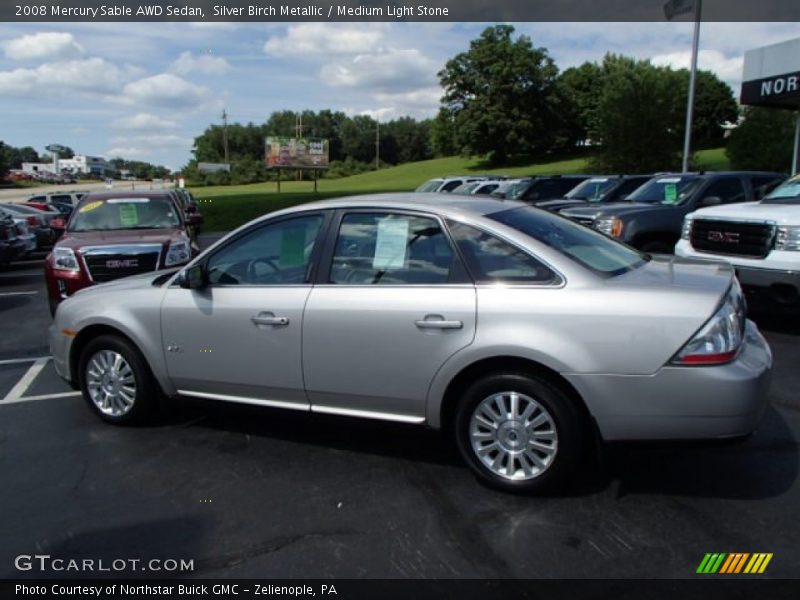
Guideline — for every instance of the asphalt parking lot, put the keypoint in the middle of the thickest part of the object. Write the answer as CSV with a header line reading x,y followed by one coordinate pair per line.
x,y
248,492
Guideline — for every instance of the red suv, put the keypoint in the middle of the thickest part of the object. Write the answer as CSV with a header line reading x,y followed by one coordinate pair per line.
x,y
116,234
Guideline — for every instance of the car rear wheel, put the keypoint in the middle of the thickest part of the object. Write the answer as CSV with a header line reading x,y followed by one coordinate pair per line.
x,y
519,433
116,381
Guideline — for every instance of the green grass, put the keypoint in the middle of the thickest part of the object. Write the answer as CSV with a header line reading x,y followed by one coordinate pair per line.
x,y
227,207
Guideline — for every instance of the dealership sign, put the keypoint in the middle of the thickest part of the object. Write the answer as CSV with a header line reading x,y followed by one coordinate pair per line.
x,y
296,153
772,76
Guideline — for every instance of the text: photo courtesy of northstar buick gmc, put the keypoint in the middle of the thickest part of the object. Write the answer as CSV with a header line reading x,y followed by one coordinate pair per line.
x,y
523,333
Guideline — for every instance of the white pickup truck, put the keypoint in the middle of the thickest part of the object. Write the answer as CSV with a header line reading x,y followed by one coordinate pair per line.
x,y
760,239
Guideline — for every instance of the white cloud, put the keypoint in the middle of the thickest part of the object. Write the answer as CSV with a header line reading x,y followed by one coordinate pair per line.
x,y
46,44
143,122
92,75
165,90
395,70
127,152
204,63
322,39
727,69
156,140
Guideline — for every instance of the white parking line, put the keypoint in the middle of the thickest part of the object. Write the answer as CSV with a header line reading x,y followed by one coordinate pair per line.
x,y
18,293
41,397
16,361
23,384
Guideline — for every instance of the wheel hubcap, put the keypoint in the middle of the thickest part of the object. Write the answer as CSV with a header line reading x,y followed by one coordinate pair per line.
x,y
513,435
110,382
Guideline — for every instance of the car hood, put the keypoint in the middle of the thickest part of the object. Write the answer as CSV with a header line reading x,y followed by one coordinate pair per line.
x,y
782,214
132,282
615,209
560,203
77,240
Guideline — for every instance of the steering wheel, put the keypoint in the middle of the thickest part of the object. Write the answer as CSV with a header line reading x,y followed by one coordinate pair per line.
x,y
251,267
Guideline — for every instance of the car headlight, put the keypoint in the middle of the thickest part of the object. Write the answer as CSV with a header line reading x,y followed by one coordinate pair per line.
x,y
64,259
610,226
721,337
178,254
686,230
788,238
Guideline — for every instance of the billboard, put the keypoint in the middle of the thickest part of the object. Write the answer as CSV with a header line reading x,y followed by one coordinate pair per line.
x,y
296,153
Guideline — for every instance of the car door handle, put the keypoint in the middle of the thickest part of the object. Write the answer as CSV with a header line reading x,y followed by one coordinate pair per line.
x,y
438,324
266,320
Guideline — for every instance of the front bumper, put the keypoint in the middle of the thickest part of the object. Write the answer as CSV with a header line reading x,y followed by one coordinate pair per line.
x,y
774,280
698,402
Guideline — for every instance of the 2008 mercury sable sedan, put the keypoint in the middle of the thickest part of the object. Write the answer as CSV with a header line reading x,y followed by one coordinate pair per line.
x,y
521,331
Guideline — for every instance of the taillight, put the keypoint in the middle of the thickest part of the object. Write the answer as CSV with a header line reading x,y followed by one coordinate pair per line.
x,y
719,340
32,220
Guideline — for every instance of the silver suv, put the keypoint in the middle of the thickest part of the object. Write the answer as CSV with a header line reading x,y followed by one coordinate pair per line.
x,y
517,329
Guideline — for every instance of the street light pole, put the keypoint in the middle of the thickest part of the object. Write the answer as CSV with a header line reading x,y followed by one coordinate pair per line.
x,y
687,140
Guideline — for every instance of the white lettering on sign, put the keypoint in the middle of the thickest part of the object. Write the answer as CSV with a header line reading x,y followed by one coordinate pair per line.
x,y
780,85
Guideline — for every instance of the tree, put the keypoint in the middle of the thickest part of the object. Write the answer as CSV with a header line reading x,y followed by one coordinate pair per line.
x,y
714,105
583,86
3,159
501,95
638,118
763,141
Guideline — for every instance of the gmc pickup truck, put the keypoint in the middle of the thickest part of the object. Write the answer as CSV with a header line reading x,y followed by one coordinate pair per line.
x,y
760,239
650,219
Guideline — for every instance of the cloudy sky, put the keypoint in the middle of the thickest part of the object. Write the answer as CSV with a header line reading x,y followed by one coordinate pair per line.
x,y
143,91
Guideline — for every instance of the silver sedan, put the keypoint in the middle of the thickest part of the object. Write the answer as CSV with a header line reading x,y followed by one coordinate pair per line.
x,y
524,334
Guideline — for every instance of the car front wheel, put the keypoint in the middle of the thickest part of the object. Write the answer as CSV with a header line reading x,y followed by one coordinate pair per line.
x,y
116,381
519,433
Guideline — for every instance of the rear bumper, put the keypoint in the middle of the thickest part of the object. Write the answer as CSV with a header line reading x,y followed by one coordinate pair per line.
x,y
698,402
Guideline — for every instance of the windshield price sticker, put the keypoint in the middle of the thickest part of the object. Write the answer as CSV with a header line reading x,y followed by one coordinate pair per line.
x,y
128,215
90,206
390,247
670,193
598,180
670,180
128,200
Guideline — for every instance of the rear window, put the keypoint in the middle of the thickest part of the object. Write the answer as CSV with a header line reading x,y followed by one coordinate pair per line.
x,y
589,248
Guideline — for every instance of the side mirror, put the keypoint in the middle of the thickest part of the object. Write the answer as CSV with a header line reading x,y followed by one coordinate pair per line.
x,y
191,209
194,219
58,223
194,277
711,201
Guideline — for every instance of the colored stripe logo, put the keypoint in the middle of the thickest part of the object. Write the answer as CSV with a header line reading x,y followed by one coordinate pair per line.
x,y
734,563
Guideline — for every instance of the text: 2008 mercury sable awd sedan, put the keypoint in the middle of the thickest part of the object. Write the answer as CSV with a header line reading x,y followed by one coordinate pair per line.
x,y
519,330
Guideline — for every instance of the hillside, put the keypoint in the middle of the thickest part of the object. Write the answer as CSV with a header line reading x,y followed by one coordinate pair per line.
x,y
227,207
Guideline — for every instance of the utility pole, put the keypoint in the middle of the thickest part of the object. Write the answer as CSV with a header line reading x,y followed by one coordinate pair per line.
x,y
687,140
377,144
225,134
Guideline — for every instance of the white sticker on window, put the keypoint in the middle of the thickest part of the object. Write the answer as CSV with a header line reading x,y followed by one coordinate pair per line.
x,y
598,180
669,180
390,247
128,200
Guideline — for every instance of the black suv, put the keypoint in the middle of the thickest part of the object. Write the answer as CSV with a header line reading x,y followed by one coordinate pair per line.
x,y
596,190
651,218
538,189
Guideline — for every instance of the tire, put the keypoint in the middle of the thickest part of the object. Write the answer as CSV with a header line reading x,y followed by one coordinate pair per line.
x,y
130,393
657,248
540,469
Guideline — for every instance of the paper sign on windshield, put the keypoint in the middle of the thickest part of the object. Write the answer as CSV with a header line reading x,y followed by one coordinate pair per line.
x,y
390,247
128,200
128,215
670,193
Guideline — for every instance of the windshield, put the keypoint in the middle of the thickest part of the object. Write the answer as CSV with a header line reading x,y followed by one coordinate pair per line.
x,y
593,250
430,186
465,188
515,189
592,189
787,193
666,190
125,213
